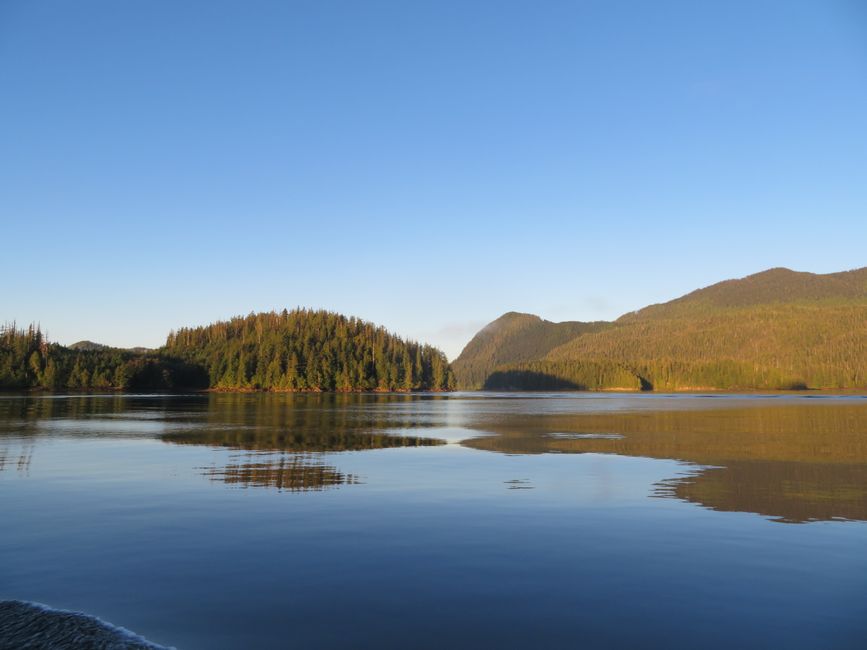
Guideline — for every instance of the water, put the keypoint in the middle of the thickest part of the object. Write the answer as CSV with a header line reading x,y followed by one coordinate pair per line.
x,y
463,520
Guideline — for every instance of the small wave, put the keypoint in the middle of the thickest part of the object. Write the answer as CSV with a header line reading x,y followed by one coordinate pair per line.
x,y
37,627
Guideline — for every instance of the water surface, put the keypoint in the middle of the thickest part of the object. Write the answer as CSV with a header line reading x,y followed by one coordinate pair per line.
x,y
462,520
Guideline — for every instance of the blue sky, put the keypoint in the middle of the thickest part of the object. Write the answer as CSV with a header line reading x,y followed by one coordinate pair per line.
x,y
424,165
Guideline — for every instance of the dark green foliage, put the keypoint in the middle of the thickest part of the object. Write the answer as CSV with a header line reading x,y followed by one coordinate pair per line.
x,y
521,379
548,375
301,350
27,360
298,441
773,330
309,350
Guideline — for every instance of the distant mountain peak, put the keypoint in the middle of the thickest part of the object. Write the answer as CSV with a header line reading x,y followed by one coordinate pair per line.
x,y
778,270
778,285
87,346
517,315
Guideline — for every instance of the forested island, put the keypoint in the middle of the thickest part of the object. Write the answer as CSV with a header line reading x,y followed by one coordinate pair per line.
x,y
298,350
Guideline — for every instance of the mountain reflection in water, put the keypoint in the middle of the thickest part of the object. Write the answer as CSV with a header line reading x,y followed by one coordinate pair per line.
x,y
791,463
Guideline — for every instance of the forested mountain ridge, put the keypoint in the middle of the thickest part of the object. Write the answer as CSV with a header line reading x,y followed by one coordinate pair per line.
x,y
777,329
299,350
772,287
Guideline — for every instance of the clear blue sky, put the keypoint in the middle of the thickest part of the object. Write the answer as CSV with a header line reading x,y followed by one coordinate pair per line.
x,y
424,165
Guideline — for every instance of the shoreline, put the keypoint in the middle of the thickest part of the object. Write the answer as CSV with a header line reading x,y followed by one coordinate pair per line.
x,y
844,392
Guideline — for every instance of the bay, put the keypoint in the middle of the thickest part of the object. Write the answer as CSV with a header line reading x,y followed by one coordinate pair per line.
x,y
442,520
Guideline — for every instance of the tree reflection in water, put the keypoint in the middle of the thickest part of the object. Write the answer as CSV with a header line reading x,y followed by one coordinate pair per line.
x,y
286,472
289,461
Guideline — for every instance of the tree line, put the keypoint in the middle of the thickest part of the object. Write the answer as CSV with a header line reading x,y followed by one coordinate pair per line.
x,y
29,360
312,350
299,350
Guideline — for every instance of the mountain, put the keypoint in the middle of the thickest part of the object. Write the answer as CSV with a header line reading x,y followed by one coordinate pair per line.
x,y
88,346
777,329
514,338
772,287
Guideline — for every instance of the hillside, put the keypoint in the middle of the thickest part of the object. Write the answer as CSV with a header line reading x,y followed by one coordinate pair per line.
x,y
514,338
772,287
778,329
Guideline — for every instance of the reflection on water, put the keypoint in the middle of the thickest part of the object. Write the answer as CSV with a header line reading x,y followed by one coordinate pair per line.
x,y
302,441
785,492
316,521
153,414
286,436
286,473
292,472
795,462
18,458
519,484
788,459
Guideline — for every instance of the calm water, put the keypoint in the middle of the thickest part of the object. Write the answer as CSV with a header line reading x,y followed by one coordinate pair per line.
x,y
467,520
